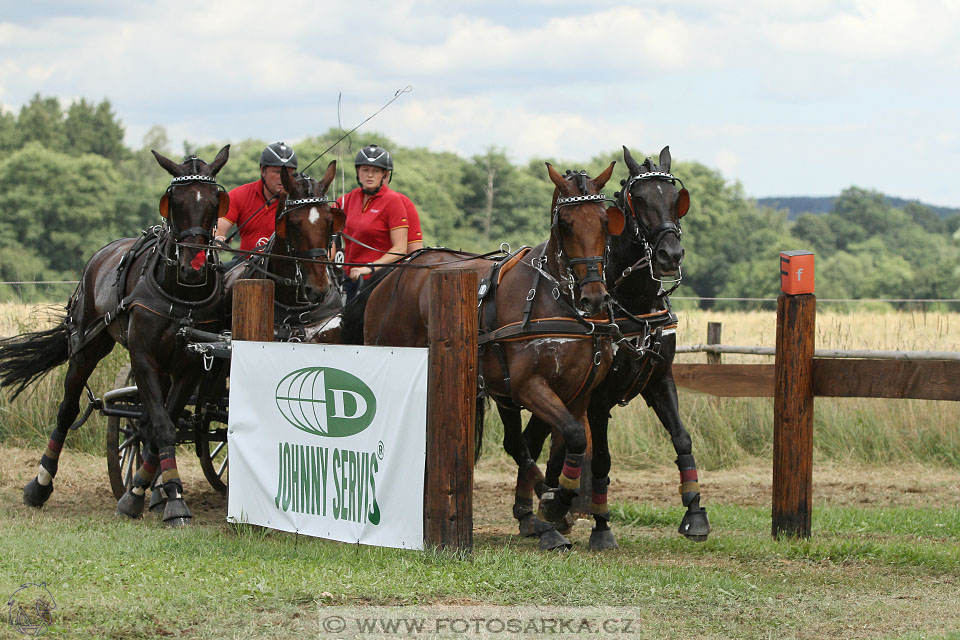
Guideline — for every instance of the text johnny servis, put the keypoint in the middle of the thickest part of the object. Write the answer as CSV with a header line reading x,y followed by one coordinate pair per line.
x,y
304,482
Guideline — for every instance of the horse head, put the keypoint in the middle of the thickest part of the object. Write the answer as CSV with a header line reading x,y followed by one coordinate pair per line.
x,y
305,223
191,206
578,235
654,206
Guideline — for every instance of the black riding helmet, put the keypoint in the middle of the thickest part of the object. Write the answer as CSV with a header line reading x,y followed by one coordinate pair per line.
x,y
278,154
373,156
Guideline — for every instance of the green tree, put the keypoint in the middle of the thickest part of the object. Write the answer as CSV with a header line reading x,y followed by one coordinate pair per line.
x,y
41,120
65,218
9,135
94,129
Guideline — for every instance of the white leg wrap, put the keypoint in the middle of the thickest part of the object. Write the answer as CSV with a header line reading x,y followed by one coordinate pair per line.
x,y
43,476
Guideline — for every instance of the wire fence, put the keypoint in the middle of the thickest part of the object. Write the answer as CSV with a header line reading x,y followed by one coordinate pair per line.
x,y
60,290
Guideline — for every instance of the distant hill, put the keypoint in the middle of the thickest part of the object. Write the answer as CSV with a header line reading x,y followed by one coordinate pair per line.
x,y
796,205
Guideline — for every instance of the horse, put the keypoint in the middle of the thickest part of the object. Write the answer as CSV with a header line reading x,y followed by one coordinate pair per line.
x,y
306,299
644,260
543,344
141,293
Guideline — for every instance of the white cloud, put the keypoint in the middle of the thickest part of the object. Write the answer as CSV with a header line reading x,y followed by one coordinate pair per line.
x,y
759,88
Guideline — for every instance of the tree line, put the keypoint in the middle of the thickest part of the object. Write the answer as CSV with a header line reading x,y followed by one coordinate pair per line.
x,y
69,185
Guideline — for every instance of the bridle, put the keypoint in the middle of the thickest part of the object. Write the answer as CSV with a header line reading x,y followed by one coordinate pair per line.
x,y
649,239
568,279
174,236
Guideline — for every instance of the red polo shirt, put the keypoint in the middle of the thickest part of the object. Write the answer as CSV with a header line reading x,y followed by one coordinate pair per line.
x,y
247,201
414,234
371,224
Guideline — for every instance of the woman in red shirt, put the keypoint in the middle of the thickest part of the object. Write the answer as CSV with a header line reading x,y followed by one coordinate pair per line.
x,y
378,224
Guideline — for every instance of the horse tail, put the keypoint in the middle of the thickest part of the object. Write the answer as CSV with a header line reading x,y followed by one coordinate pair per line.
x,y
482,403
29,356
351,326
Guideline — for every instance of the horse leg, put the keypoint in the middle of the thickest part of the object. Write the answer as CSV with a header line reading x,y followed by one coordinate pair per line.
x,y
543,402
529,483
131,502
661,394
601,536
80,366
175,511
161,432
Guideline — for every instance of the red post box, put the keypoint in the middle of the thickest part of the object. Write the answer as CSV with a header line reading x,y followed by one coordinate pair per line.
x,y
796,272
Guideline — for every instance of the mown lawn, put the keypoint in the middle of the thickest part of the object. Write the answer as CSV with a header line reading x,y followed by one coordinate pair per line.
x,y
867,572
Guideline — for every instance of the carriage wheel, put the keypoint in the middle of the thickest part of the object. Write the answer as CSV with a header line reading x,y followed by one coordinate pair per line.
x,y
212,452
123,444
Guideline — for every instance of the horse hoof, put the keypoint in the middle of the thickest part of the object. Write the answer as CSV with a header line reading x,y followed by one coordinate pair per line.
x,y
36,494
602,540
176,513
158,499
553,540
130,505
551,508
565,524
695,525
528,525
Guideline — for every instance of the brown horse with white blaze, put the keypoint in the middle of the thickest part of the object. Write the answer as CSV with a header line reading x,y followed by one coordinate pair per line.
x,y
542,347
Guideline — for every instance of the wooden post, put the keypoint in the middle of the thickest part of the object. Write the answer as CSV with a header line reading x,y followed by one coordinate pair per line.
x,y
253,310
714,330
793,415
451,410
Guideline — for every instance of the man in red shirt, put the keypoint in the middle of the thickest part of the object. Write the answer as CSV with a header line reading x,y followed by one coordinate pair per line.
x,y
253,206
378,224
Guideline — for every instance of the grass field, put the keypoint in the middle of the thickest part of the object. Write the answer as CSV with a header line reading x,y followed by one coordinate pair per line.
x,y
883,562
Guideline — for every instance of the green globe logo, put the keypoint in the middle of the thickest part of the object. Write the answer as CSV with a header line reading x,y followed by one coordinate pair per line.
x,y
326,402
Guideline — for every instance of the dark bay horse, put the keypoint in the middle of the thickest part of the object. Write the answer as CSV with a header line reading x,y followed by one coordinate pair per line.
x,y
305,297
644,267
542,344
140,293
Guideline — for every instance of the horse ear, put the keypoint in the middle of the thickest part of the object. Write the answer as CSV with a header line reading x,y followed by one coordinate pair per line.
x,y
288,183
632,164
281,219
165,205
224,204
339,219
665,159
171,167
556,178
615,221
220,160
328,176
683,202
601,179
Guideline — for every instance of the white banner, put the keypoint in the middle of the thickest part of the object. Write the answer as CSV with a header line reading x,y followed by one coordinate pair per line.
x,y
329,440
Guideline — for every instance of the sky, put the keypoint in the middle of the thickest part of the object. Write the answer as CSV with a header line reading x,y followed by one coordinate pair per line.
x,y
802,98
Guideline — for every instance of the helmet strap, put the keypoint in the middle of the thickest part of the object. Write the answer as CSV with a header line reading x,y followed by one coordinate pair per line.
x,y
371,192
